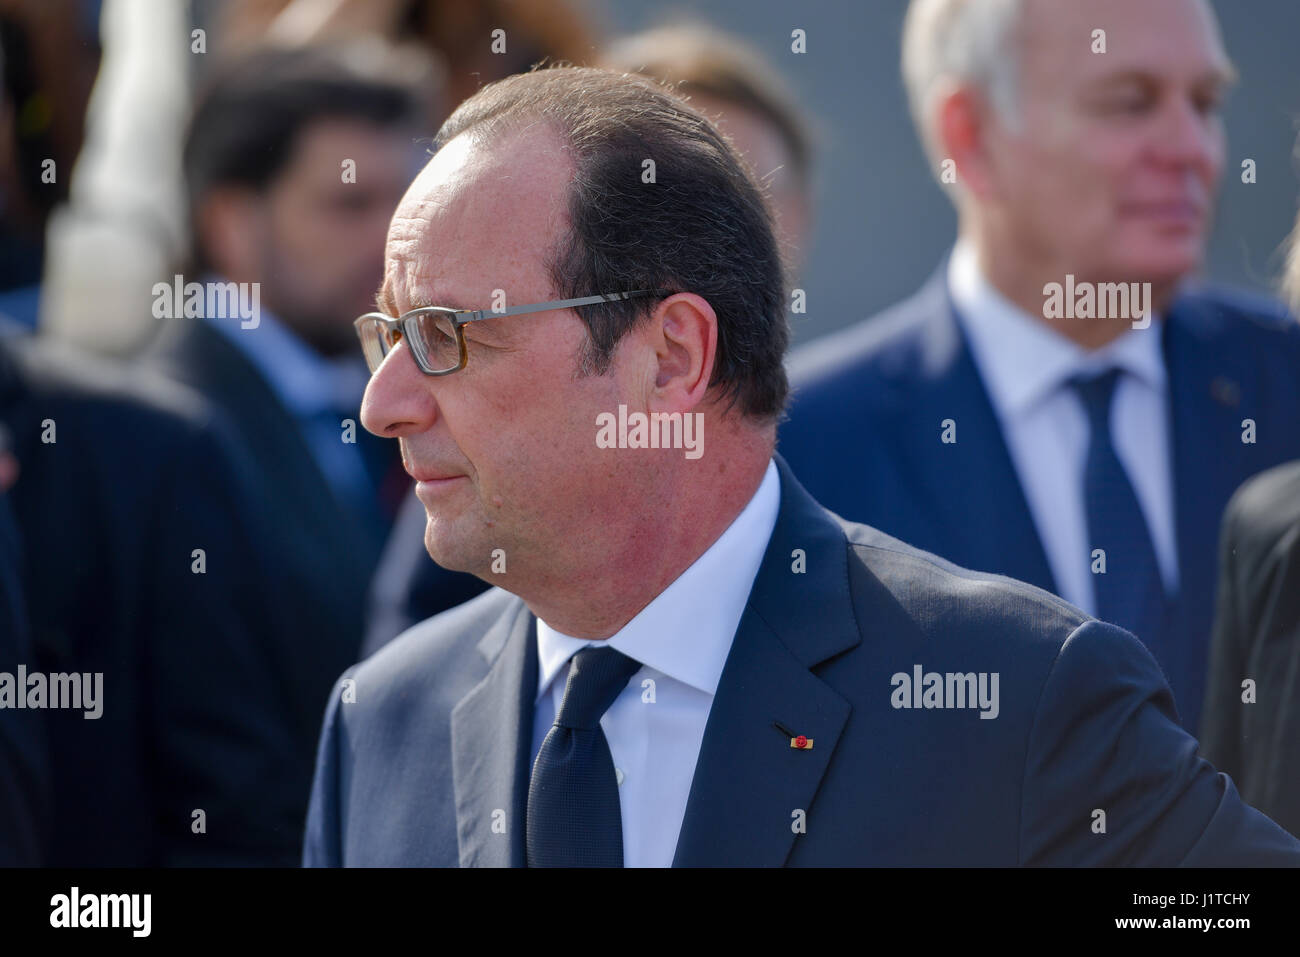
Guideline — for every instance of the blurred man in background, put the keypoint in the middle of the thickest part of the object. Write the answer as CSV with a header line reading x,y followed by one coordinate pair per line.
x,y
144,561
730,83
24,761
294,162
1251,727
1088,451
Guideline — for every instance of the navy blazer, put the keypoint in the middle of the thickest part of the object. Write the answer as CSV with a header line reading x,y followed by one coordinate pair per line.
x,y
24,762
197,670
864,429
424,754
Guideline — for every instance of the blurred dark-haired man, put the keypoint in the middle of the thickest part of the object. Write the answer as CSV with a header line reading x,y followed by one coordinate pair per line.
x,y
1060,403
688,661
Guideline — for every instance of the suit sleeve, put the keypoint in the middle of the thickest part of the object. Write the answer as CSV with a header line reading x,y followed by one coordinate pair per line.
x,y
1111,778
222,739
321,846
24,771
1221,725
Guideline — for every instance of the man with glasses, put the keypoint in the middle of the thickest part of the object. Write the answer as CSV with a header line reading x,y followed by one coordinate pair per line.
x,y
688,661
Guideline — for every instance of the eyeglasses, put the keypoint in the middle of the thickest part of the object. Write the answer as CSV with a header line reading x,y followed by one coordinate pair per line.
x,y
435,334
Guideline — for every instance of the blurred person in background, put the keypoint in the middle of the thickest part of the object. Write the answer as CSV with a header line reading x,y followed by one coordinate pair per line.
x,y
49,52
1092,457
1251,727
730,83
294,162
144,561
124,224
24,761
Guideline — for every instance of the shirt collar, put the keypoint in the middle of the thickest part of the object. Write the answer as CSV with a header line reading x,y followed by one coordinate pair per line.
x,y
305,381
1022,360
687,630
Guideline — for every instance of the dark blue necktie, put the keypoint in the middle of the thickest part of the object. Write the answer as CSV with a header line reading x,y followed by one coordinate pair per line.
x,y
1130,593
574,819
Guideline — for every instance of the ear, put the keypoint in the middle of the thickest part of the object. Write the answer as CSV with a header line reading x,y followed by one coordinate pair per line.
x,y
683,331
963,125
227,225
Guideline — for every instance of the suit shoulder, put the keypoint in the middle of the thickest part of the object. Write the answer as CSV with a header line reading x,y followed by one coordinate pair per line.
x,y
437,650
1264,509
947,600
1217,310
878,346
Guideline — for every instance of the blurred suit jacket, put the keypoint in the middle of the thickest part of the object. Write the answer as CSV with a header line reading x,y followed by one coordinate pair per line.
x,y
24,761
329,552
121,480
1257,637
863,435
427,752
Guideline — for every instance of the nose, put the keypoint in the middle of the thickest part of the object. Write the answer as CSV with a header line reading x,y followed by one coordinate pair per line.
x,y
1188,137
399,397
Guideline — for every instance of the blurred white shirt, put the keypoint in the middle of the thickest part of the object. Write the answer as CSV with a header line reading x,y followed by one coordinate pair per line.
x,y
1025,366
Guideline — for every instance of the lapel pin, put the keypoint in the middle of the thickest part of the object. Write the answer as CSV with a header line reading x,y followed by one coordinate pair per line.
x,y
799,742
1225,391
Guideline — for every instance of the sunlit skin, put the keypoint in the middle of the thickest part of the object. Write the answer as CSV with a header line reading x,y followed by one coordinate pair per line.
x,y
1112,173
504,452
311,239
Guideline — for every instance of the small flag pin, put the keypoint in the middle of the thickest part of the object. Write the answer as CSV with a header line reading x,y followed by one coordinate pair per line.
x,y
801,742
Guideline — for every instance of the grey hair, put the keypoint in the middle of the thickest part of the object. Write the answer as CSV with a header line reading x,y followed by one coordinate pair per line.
x,y
971,42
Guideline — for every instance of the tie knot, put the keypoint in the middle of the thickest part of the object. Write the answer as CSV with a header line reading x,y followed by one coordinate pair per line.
x,y
1096,391
596,677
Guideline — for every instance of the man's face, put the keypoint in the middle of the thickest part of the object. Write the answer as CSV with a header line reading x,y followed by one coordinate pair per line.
x,y
504,451
1113,171
321,238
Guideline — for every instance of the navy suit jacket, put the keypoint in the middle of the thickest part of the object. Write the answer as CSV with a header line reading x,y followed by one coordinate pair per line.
x,y
197,670
424,754
864,432
24,763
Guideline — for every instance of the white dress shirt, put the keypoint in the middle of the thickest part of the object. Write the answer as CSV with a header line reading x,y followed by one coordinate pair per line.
x,y
1025,366
681,639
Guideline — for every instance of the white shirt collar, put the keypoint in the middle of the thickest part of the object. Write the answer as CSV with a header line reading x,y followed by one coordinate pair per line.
x,y
1023,360
687,630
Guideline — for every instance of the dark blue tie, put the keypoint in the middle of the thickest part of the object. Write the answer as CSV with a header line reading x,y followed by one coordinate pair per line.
x,y
1130,593
574,819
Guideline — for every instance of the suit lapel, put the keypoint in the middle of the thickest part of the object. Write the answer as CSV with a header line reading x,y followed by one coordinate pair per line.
x,y
972,485
749,783
491,740
1208,399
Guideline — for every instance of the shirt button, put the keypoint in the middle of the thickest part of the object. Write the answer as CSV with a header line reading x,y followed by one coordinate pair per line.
x,y
618,775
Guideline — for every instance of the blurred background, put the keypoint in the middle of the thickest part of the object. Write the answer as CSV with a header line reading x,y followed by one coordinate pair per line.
x,y
880,223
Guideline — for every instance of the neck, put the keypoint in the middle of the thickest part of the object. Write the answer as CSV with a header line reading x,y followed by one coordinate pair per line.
x,y
624,568
1021,279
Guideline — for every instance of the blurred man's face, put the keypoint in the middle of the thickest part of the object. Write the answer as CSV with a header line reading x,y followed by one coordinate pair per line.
x,y
322,238
1113,172
504,451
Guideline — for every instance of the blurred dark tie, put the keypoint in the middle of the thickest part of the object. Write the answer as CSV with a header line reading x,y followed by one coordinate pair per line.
x,y
574,817
1130,593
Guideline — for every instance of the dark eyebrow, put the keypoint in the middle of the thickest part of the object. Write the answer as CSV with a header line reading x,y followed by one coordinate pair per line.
x,y
1223,77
